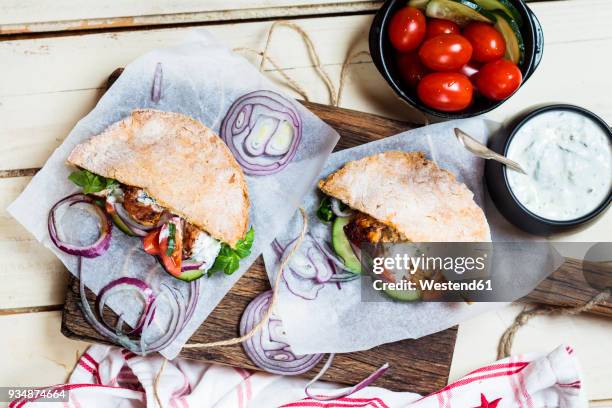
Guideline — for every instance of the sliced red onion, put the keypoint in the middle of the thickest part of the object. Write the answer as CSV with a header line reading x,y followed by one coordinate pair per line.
x,y
100,246
336,208
181,314
127,284
157,83
190,265
307,289
299,283
320,264
338,277
269,349
254,128
136,227
344,393
114,336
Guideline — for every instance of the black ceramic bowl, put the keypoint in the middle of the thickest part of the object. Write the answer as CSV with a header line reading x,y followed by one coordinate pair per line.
x,y
508,204
384,57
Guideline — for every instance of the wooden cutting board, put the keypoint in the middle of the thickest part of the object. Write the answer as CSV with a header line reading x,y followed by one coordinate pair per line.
x,y
420,365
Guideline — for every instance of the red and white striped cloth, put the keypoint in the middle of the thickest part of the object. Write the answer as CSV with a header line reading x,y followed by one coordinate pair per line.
x,y
110,377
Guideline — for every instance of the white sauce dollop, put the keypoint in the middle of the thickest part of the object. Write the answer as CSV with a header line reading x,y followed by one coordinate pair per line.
x,y
205,249
568,160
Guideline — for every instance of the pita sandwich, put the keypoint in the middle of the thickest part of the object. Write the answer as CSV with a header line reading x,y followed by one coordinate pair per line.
x,y
173,162
403,196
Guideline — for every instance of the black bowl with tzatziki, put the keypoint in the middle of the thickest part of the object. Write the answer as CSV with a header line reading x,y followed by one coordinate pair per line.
x,y
566,152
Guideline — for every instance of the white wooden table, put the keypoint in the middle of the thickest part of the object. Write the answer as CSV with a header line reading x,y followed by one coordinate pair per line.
x,y
56,56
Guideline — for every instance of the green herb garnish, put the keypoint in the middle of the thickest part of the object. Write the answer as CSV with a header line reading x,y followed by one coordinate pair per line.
x,y
229,258
91,183
171,239
325,213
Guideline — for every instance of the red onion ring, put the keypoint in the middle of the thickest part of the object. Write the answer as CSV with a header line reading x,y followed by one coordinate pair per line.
x,y
305,287
323,262
269,350
241,120
100,246
337,264
134,226
190,265
360,385
130,284
335,206
114,336
157,83
181,315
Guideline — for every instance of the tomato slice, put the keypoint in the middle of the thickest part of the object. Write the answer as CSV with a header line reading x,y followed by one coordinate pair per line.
x,y
172,261
150,242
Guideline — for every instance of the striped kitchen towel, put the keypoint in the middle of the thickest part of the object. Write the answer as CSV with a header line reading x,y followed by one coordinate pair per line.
x,y
111,377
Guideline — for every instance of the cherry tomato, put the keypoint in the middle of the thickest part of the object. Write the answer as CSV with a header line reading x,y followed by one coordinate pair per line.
x,y
488,43
446,52
446,91
173,261
437,26
499,79
411,68
407,29
150,242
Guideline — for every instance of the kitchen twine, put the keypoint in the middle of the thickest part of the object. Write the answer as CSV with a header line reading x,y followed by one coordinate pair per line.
x,y
505,342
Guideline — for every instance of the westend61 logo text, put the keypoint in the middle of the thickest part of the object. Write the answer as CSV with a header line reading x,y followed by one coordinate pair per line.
x,y
412,264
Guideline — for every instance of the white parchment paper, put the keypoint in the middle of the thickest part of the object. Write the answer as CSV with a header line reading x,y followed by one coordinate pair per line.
x,y
201,78
338,320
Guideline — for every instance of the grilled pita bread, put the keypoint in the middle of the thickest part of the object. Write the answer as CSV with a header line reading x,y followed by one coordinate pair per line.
x,y
411,194
178,161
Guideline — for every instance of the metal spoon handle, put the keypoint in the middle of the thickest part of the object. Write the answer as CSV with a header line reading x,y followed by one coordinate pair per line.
x,y
506,161
478,149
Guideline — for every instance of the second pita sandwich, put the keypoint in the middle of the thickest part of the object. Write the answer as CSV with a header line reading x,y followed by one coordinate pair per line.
x,y
394,197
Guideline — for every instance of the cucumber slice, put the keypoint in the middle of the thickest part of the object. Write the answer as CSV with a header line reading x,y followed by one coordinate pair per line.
x,y
403,295
515,47
502,5
342,246
420,4
189,276
461,12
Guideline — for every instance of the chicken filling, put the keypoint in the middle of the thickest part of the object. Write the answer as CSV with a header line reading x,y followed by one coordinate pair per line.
x,y
198,246
366,229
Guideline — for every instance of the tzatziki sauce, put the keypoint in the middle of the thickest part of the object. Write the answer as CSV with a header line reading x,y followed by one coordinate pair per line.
x,y
568,160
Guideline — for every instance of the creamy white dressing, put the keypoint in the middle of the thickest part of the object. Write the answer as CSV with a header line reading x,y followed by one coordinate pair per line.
x,y
568,161
143,198
205,249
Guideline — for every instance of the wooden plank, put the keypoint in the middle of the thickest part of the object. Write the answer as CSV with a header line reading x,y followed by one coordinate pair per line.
x,y
31,125
30,16
35,353
31,275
